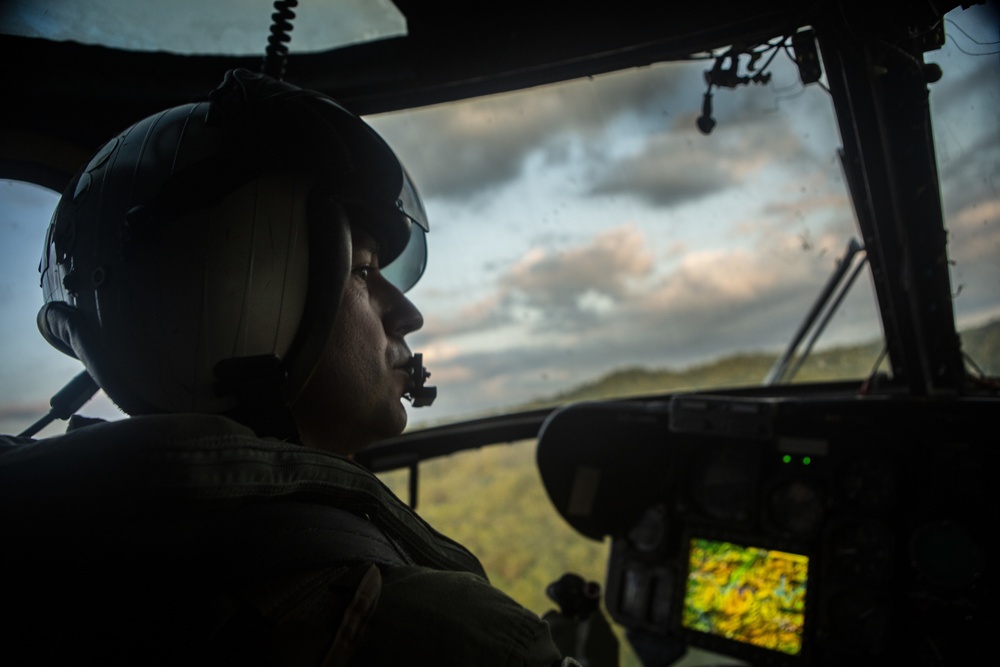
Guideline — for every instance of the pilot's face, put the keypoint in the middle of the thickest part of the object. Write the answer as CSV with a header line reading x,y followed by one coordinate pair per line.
x,y
354,396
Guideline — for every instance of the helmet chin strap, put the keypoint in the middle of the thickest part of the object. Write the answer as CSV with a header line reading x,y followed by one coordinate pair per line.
x,y
420,395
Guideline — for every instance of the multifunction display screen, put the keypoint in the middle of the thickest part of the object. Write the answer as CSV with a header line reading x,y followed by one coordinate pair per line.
x,y
746,594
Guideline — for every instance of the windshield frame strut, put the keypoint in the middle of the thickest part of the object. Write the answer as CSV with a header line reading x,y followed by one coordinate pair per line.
x,y
878,82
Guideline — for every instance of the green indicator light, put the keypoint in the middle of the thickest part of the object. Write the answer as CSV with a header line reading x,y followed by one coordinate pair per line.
x,y
806,460
786,458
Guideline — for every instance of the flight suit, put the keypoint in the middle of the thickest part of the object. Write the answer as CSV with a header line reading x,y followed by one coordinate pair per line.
x,y
186,538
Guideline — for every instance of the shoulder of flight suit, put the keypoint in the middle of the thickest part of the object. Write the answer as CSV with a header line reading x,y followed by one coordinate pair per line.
x,y
469,623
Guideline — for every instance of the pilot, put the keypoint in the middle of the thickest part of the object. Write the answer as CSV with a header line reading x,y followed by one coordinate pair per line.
x,y
232,273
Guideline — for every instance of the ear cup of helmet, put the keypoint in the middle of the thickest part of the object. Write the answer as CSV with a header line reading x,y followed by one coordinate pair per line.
x,y
214,284
329,270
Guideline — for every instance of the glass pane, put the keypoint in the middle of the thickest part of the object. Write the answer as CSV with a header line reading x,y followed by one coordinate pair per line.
x,y
588,240
31,370
235,27
493,502
964,106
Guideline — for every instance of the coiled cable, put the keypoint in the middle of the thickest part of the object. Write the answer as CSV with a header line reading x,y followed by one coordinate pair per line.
x,y
276,53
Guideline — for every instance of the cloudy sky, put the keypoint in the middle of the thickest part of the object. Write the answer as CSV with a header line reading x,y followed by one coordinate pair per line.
x,y
589,226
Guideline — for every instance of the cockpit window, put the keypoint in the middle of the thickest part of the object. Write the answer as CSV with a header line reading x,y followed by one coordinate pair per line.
x,y
230,27
964,106
31,371
590,241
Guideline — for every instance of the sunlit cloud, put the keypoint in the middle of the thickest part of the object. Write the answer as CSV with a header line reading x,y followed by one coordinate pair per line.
x,y
799,208
604,266
714,278
606,286
549,288
708,301
449,374
483,314
976,231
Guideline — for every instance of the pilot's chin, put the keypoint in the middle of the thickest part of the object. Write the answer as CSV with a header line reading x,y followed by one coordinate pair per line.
x,y
396,421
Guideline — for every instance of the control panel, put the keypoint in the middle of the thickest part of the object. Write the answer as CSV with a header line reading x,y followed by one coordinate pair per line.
x,y
787,531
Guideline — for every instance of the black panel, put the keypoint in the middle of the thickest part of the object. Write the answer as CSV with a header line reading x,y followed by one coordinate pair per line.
x,y
888,504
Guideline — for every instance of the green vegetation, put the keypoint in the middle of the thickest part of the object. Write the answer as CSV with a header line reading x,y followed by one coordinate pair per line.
x,y
839,363
492,500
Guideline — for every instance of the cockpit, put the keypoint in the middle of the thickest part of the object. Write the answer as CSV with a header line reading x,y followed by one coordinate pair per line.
x,y
711,301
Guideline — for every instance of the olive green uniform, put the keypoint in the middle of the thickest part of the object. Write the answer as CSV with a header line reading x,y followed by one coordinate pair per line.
x,y
186,538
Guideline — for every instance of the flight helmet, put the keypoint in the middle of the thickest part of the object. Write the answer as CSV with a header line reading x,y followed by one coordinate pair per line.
x,y
197,261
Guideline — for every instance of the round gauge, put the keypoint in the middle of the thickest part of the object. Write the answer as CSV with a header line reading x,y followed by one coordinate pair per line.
x,y
723,488
857,618
796,507
868,482
861,549
662,602
651,530
945,554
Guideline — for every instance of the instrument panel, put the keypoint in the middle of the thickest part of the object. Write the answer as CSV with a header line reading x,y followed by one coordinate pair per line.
x,y
786,531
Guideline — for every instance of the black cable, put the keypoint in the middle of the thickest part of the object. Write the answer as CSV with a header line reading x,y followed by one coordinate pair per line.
x,y
971,38
66,402
276,53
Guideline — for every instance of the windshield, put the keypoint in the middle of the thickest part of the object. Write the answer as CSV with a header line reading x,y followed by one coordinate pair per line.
x,y
964,108
233,27
587,240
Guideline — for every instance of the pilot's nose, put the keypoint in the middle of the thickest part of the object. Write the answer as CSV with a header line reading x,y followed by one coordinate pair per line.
x,y
402,317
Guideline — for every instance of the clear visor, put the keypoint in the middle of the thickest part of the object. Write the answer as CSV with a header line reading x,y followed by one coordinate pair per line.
x,y
410,204
404,271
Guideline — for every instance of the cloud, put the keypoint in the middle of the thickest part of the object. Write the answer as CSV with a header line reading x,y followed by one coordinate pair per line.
x,y
721,278
485,314
970,171
21,198
604,266
798,208
601,305
680,165
974,232
973,247
554,290
611,278
715,302
665,174
22,412
464,149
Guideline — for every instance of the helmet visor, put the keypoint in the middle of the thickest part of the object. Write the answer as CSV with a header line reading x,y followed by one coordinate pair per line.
x,y
404,271
401,231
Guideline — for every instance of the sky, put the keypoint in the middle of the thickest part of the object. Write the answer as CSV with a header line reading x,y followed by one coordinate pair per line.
x,y
589,226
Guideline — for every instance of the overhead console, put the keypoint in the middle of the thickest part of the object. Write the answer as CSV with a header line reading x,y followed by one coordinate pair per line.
x,y
787,531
